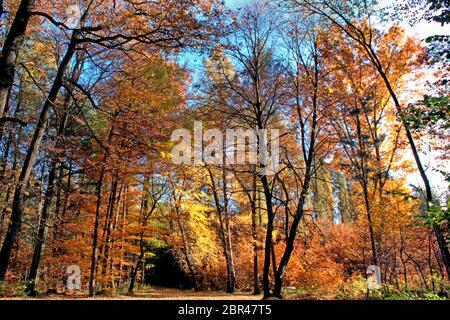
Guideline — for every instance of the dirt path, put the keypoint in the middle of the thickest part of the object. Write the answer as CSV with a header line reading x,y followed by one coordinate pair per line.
x,y
152,294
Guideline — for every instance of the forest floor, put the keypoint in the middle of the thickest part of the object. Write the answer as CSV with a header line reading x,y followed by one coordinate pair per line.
x,y
153,293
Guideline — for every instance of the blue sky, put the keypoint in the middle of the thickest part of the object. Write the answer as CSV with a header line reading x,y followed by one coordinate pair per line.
x,y
235,3
422,30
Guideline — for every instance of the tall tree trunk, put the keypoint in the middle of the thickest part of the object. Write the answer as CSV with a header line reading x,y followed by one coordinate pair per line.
x,y
58,204
269,235
18,201
14,177
108,224
9,143
186,251
256,289
94,255
364,180
3,179
4,161
370,222
10,51
231,283
309,158
292,236
135,269
61,204
40,238
273,254
145,214
224,228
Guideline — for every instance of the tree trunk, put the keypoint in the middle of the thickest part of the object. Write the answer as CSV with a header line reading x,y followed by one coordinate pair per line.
x,y
94,255
224,228
364,180
370,222
136,266
9,143
32,275
269,236
108,223
61,204
256,289
10,51
186,252
273,254
291,240
14,177
231,283
143,213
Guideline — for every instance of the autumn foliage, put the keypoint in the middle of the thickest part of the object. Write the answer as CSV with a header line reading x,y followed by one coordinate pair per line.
x,y
88,179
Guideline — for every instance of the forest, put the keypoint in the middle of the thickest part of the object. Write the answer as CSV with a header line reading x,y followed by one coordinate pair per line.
x,y
117,121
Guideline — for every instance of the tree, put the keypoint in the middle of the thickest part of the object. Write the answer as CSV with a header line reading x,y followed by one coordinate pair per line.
x,y
251,95
355,22
309,100
219,190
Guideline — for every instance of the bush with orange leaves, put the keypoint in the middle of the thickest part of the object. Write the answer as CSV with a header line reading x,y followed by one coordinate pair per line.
x,y
326,257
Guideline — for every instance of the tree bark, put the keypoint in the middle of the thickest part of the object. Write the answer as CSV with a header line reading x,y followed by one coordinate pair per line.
x,y
291,240
137,265
94,256
269,236
231,283
224,229
13,178
11,49
98,208
40,238
108,223
186,252
256,289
